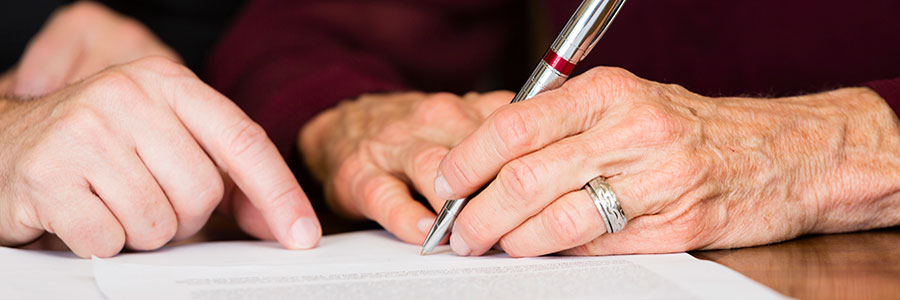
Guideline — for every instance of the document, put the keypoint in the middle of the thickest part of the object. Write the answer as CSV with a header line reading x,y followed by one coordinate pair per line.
x,y
375,265
29,274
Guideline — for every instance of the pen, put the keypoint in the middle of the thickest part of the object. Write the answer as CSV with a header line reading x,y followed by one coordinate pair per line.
x,y
576,40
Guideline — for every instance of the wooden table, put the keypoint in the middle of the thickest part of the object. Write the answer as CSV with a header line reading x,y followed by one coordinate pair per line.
x,y
862,265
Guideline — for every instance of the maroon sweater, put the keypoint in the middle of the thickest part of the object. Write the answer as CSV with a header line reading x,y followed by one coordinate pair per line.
x,y
284,61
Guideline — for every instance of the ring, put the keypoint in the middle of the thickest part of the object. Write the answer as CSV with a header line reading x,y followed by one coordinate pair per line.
x,y
607,204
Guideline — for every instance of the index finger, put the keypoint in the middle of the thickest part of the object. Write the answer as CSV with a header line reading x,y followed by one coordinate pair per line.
x,y
240,147
521,128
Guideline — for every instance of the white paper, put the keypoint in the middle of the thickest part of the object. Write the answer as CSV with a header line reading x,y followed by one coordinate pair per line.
x,y
374,265
29,274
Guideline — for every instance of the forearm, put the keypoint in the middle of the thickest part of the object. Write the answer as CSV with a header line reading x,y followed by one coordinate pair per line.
x,y
861,189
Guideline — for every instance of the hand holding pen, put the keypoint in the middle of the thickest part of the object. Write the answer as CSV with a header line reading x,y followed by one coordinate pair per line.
x,y
576,40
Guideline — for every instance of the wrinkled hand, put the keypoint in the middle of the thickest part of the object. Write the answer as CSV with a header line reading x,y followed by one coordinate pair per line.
x,y
370,151
690,172
136,155
80,40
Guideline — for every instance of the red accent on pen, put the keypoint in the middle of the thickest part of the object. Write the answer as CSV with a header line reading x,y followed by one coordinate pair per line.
x,y
558,63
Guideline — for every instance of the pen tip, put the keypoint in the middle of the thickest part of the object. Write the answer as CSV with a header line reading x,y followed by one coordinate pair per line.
x,y
423,253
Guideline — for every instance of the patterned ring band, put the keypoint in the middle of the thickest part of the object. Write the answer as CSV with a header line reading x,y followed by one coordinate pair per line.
x,y
607,204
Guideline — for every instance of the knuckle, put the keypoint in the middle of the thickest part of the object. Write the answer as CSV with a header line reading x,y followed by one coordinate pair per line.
x,y
511,128
93,238
160,224
667,90
160,232
113,83
18,222
32,168
348,169
682,169
376,198
245,139
439,106
688,229
395,217
205,198
654,125
606,79
456,173
37,171
517,176
393,133
476,229
562,220
162,65
283,199
83,125
427,160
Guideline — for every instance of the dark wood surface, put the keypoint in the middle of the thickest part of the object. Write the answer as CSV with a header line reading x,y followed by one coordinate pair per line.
x,y
861,265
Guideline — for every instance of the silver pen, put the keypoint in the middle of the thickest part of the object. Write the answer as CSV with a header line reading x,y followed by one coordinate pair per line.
x,y
576,40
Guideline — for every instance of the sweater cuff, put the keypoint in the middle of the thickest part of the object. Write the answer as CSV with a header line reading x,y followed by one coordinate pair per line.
x,y
889,90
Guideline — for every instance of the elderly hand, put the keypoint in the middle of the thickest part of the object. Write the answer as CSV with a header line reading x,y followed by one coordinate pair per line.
x,y
371,150
690,172
80,40
136,155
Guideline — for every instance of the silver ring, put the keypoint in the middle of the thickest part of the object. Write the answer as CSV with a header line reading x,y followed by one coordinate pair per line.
x,y
607,204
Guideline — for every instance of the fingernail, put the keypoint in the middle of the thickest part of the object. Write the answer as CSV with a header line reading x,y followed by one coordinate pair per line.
x,y
305,233
459,246
425,224
442,188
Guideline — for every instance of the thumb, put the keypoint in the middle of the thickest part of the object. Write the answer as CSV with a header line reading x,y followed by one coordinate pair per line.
x,y
47,62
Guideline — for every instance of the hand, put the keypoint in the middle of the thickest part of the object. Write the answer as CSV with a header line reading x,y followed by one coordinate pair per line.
x,y
368,152
690,172
136,155
79,40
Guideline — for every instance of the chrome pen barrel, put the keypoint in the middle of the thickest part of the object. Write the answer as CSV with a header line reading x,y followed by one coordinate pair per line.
x,y
544,78
443,224
574,42
577,38
584,29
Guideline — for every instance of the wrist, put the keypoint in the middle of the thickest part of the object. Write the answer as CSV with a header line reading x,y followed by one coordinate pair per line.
x,y
861,187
